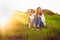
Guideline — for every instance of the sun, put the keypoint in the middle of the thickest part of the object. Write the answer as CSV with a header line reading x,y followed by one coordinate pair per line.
x,y
3,21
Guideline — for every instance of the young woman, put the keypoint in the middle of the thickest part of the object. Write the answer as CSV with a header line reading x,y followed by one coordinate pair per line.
x,y
39,18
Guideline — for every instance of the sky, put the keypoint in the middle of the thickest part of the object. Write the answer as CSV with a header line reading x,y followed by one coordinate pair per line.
x,y
23,5
8,6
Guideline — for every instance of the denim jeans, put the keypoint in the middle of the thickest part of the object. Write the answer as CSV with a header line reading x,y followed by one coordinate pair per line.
x,y
37,21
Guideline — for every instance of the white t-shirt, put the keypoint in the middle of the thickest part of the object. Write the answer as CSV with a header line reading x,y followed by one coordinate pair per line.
x,y
43,19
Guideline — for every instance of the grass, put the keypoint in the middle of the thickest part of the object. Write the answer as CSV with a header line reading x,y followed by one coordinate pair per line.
x,y
21,31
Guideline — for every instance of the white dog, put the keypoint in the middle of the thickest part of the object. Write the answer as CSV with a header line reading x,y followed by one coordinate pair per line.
x,y
30,18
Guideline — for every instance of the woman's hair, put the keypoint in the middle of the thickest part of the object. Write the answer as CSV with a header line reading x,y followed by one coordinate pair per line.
x,y
38,11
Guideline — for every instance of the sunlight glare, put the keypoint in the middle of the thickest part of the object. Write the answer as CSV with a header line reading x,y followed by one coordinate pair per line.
x,y
3,21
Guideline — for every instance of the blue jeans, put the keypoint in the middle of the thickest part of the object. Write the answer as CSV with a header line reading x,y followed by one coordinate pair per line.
x,y
37,21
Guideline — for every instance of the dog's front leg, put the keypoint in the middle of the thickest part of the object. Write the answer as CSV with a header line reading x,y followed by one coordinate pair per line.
x,y
29,25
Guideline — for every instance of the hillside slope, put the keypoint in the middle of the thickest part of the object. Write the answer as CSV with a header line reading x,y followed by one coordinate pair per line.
x,y
19,31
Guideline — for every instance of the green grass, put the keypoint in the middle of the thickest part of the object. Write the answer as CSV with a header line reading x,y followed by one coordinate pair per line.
x,y
52,32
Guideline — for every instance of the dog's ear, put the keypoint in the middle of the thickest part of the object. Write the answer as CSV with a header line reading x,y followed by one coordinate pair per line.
x,y
33,11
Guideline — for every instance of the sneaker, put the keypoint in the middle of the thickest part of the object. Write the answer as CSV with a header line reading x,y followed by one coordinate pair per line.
x,y
37,25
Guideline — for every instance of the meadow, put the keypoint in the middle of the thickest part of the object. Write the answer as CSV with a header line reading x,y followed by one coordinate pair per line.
x,y
17,28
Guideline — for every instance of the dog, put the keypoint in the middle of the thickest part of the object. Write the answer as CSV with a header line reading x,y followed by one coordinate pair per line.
x,y
30,18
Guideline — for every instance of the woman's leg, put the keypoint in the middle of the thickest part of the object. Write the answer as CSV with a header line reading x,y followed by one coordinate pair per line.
x,y
42,25
35,22
38,22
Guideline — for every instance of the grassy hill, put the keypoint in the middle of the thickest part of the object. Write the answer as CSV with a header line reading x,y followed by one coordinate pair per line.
x,y
18,30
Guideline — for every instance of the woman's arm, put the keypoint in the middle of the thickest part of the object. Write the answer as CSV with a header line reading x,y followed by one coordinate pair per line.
x,y
43,19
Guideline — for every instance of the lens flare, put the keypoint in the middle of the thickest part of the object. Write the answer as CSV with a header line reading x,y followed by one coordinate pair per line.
x,y
3,21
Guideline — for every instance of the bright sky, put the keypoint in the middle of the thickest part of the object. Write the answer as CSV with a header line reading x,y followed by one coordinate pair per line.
x,y
53,5
7,6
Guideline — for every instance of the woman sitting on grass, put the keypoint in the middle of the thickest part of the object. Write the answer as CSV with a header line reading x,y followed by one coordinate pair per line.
x,y
39,19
